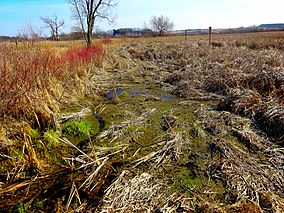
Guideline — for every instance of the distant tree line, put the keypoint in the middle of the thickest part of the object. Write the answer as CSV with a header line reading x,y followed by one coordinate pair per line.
x,y
131,32
75,35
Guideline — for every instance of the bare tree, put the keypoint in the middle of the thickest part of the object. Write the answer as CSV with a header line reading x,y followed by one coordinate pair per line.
x,y
53,24
87,12
29,32
161,24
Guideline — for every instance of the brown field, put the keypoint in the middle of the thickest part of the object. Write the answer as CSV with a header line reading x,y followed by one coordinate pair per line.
x,y
143,124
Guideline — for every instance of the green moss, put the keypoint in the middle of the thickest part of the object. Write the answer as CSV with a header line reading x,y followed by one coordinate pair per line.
x,y
39,204
190,179
22,208
124,95
52,137
62,162
151,86
136,128
234,139
186,183
34,133
77,128
185,178
16,154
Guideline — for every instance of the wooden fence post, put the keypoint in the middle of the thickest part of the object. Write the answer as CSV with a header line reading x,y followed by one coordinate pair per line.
x,y
210,34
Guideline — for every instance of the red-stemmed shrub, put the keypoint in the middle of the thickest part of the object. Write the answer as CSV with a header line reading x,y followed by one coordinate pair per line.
x,y
106,41
84,56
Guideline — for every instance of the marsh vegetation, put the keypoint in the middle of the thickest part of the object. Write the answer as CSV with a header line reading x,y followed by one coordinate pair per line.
x,y
153,124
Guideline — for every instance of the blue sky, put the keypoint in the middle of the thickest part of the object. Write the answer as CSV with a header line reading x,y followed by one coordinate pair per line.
x,y
16,14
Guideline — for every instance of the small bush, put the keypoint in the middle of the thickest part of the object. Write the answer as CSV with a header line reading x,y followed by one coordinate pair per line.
x,y
83,56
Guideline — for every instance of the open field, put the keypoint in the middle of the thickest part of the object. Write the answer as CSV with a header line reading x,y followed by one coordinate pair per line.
x,y
143,124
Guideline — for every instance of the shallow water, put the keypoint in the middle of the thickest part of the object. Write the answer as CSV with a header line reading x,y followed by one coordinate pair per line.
x,y
113,93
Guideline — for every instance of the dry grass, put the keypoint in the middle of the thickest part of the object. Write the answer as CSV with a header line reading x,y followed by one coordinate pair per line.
x,y
244,79
37,80
36,77
235,88
250,80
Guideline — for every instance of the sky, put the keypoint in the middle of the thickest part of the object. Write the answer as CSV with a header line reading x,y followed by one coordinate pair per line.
x,y
186,14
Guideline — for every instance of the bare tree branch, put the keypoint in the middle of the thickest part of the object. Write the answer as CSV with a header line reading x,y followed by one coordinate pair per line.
x,y
87,12
161,24
53,24
79,11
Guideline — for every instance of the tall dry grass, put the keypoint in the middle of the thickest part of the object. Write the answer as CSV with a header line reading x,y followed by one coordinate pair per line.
x,y
34,77
249,77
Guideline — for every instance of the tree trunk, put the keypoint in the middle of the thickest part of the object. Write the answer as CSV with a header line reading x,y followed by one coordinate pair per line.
x,y
56,34
90,22
89,34
86,12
